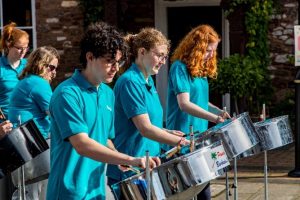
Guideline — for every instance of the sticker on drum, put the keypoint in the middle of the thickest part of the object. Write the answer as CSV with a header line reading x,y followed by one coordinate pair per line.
x,y
237,134
181,178
274,133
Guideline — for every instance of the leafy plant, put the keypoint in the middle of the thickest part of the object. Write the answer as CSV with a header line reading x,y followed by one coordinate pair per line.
x,y
240,76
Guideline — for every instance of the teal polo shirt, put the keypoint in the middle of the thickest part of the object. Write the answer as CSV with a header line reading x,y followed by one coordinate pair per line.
x,y
76,106
179,82
30,99
8,80
134,96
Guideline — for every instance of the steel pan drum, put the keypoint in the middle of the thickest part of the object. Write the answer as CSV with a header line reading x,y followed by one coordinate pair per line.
x,y
238,135
21,145
275,132
36,169
181,178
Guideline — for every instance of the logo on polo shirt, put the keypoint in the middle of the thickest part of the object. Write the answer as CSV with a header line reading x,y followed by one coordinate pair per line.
x,y
108,108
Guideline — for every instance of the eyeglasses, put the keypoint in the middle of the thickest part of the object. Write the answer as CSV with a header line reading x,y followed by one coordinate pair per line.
x,y
119,63
161,57
52,67
22,49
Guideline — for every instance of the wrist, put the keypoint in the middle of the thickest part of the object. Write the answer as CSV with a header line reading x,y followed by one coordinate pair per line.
x,y
218,119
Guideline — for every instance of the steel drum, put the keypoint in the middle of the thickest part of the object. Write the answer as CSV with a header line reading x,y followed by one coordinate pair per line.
x,y
36,169
181,178
275,132
21,145
238,135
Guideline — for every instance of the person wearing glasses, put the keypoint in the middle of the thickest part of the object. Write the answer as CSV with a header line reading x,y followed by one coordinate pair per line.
x,y
14,45
139,114
31,97
82,120
194,60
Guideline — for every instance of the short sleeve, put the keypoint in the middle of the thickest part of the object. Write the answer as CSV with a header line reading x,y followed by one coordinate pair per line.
x,y
179,78
67,113
132,99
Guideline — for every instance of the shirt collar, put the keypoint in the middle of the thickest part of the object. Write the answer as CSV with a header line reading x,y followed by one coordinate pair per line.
x,y
141,77
82,82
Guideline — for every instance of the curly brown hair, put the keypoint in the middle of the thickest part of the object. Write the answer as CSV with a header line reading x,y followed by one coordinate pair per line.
x,y
192,48
147,38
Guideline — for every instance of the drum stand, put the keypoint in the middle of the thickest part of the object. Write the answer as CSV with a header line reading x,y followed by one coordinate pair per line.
x,y
265,158
148,178
21,176
21,183
235,180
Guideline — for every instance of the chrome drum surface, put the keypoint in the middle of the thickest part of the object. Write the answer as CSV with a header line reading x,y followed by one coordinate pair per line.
x,y
275,132
181,178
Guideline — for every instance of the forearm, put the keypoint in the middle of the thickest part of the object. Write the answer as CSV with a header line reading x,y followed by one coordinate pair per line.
x,y
160,135
88,147
199,112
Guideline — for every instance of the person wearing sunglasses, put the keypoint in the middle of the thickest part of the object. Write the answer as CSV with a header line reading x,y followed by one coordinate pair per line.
x,y
139,114
193,60
30,100
31,97
14,45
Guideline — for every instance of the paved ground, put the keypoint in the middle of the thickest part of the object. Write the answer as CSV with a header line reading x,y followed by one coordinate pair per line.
x,y
251,178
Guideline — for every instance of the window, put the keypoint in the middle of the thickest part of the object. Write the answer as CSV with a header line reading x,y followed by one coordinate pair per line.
x,y
22,13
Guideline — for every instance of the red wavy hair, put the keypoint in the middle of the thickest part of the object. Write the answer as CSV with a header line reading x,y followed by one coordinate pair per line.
x,y
192,48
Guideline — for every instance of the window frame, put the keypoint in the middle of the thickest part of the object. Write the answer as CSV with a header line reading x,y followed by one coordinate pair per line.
x,y
33,22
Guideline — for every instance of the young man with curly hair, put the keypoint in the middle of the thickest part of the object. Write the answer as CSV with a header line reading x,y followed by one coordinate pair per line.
x,y
82,117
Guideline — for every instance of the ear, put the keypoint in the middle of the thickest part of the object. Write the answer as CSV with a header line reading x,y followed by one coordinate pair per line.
x,y
142,51
89,56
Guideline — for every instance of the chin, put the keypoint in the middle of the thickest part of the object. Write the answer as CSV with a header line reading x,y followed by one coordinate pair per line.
x,y
108,80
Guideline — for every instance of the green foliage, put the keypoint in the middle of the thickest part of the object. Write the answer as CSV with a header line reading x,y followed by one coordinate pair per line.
x,y
238,75
246,77
93,10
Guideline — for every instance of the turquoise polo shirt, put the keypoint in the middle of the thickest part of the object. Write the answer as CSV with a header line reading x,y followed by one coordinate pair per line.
x,y
8,80
78,107
30,99
134,96
179,82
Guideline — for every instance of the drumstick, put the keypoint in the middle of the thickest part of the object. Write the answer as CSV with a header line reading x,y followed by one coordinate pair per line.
x,y
131,169
2,116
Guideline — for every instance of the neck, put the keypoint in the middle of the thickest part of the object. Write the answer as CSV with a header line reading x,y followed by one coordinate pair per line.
x,y
90,77
142,68
13,62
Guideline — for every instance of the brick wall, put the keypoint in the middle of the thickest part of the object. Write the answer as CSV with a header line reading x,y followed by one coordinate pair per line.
x,y
281,37
59,23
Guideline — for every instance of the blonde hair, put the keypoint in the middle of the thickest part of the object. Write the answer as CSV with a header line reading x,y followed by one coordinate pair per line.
x,y
147,38
192,48
38,60
11,35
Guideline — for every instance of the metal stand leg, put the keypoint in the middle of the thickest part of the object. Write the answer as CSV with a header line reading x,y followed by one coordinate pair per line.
x,y
21,183
227,186
148,178
235,185
266,175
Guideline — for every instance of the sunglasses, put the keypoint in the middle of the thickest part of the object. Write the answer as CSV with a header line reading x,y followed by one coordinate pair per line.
x,y
52,67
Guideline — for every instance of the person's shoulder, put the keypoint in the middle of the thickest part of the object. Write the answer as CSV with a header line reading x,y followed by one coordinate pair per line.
x,y
67,86
177,65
